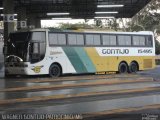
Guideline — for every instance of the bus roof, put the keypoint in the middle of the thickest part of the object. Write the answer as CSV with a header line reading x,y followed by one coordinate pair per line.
x,y
69,31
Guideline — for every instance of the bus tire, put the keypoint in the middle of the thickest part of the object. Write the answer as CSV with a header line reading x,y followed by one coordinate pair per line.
x,y
55,70
123,68
133,67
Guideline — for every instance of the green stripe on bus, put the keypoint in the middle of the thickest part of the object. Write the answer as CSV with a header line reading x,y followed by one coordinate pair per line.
x,y
75,59
85,59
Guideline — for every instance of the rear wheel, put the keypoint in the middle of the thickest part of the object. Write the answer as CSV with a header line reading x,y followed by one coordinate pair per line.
x,y
133,68
55,70
123,68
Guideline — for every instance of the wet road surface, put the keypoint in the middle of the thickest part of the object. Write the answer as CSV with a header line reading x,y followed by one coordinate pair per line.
x,y
92,96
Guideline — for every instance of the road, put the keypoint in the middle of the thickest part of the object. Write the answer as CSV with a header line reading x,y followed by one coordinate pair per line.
x,y
115,97
155,73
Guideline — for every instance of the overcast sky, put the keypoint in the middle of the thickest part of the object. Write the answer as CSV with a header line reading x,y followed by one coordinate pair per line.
x,y
55,23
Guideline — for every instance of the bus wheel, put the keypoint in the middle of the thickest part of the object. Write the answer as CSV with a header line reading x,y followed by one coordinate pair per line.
x,y
133,68
123,68
54,70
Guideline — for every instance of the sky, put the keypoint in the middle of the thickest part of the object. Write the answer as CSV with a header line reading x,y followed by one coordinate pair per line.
x,y
56,23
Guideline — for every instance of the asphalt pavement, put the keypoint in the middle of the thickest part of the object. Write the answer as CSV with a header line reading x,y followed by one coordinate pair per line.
x,y
82,95
155,73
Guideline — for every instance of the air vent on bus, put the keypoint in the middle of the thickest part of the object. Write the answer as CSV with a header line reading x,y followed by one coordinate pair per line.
x,y
147,63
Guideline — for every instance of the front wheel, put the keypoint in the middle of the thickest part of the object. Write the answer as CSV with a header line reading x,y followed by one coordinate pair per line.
x,y
123,68
55,70
133,68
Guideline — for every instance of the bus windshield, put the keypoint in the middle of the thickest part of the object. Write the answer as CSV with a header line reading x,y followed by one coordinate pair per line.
x,y
26,46
18,45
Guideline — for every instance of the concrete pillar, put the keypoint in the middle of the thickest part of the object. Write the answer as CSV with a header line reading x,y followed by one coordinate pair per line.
x,y
32,20
8,27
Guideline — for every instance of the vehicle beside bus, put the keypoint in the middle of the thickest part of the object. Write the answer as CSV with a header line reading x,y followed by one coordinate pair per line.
x,y
41,51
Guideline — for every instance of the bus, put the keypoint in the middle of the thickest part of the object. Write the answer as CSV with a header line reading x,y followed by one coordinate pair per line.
x,y
43,51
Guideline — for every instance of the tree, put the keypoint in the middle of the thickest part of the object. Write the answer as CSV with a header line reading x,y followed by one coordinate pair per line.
x,y
113,24
76,26
157,47
98,22
147,19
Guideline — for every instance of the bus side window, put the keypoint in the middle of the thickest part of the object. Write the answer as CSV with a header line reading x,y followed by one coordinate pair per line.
x,y
92,39
149,41
109,40
135,40
113,40
53,39
139,41
72,39
62,39
75,39
80,39
142,41
57,39
105,40
124,40
89,39
97,40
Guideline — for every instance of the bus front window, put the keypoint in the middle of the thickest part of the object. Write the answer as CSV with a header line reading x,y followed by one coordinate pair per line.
x,y
37,47
17,46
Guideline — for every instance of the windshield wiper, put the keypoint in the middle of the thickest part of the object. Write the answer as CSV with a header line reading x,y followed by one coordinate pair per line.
x,y
13,45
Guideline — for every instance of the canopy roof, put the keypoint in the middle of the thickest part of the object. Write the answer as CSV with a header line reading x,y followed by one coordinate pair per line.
x,y
85,9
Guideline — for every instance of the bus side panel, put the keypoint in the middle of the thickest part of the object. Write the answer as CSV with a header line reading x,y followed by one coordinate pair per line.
x,y
143,56
100,62
148,62
74,59
85,59
57,54
79,59
144,62
112,63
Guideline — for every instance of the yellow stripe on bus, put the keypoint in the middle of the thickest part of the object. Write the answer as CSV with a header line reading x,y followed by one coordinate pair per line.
x,y
99,61
110,63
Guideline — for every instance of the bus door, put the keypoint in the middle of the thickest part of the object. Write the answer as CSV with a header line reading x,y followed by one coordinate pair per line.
x,y
37,47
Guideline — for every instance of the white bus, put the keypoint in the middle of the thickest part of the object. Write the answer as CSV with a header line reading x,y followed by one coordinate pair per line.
x,y
42,51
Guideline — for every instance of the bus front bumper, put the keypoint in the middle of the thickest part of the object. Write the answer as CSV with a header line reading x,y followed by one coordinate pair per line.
x,y
17,71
